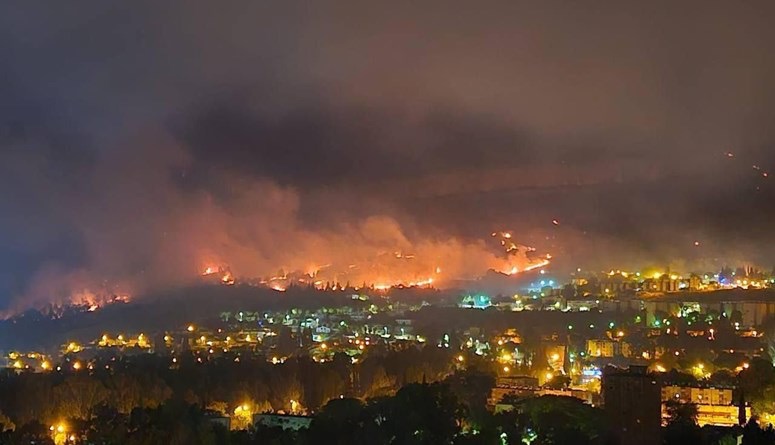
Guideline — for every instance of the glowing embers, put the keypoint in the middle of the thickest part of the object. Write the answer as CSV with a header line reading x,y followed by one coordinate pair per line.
x,y
224,275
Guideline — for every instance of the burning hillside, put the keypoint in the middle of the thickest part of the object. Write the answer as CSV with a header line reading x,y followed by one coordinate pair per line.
x,y
232,229
436,265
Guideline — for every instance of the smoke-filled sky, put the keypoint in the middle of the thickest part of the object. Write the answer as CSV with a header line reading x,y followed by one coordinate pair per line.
x,y
139,140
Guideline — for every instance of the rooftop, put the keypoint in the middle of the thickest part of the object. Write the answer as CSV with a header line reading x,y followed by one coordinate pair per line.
x,y
718,296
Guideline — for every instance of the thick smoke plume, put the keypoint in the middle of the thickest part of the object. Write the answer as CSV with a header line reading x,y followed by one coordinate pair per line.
x,y
151,230
142,143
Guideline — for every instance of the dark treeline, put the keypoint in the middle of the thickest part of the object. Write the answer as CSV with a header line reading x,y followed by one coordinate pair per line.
x,y
419,413
218,383
422,414
146,400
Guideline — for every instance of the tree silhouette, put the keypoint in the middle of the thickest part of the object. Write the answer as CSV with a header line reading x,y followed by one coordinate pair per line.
x,y
682,425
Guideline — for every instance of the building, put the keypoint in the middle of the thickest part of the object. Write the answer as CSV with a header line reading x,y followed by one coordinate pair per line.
x,y
555,357
664,283
632,399
601,348
321,334
608,348
518,386
217,418
523,387
284,421
753,306
715,406
620,304
475,302
720,415
698,395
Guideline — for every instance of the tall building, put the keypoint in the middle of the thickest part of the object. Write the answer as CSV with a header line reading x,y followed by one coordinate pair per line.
x,y
633,403
715,406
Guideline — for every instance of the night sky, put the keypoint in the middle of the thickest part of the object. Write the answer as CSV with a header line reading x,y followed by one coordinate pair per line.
x,y
138,137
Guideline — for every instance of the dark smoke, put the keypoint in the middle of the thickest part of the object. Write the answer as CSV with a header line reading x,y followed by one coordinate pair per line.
x,y
137,139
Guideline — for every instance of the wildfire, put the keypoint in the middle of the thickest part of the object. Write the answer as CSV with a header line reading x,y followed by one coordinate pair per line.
x,y
512,251
395,268
422,283
227,279
542,263
91,301
224,274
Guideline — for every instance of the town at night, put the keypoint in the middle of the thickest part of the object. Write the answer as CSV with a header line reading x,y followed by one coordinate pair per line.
x,y
390,223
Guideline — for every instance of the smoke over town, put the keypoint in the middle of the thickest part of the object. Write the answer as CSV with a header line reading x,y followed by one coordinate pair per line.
x,y
161,231
277,143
